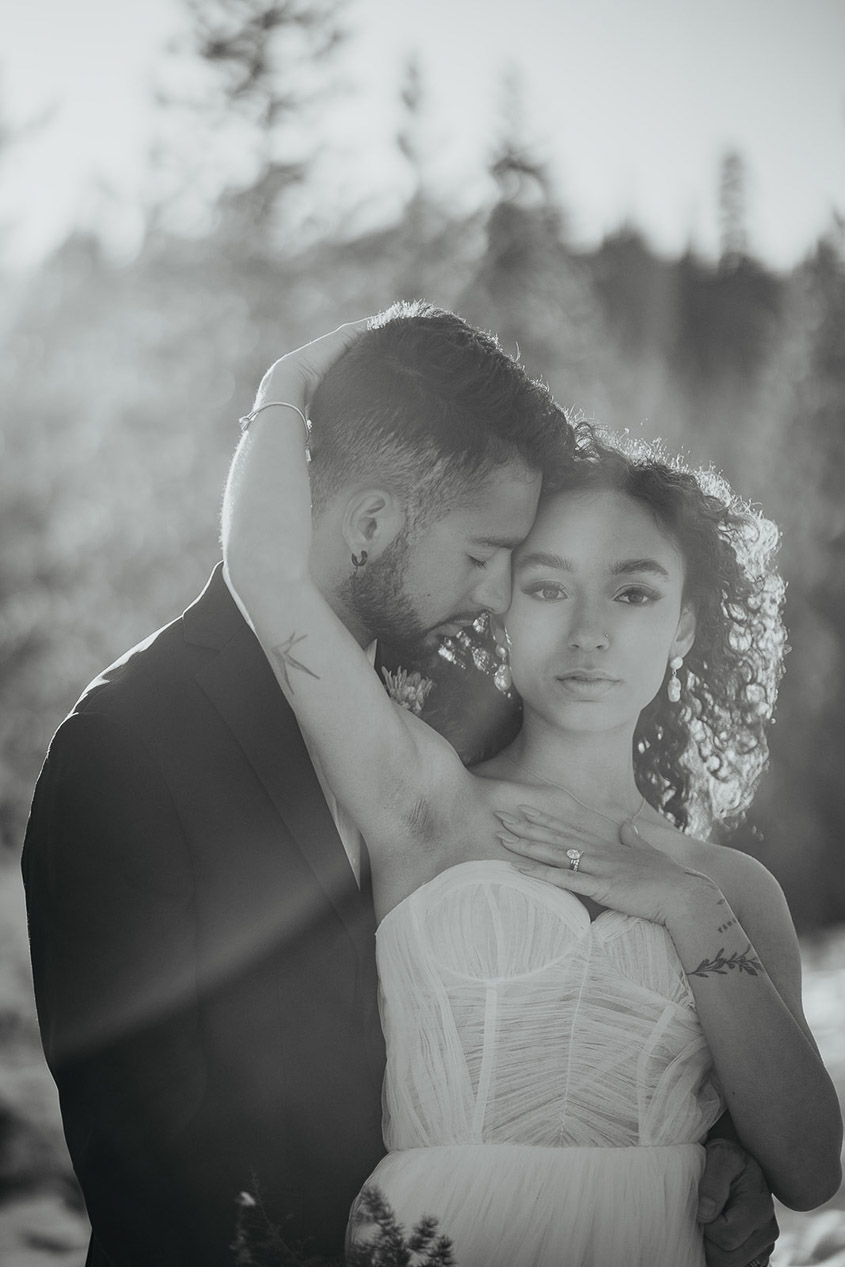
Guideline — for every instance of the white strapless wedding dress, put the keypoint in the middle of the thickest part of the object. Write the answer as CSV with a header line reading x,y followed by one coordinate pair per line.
x,y
548,1083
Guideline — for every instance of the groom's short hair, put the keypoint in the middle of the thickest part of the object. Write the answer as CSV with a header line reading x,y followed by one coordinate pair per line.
x,y
432,406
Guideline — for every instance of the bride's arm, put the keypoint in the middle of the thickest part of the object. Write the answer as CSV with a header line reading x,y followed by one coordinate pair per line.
x,y
738,947
734,936
401,782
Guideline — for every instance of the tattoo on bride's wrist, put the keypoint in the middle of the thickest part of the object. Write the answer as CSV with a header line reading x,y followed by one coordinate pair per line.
x,y
286,660
722,965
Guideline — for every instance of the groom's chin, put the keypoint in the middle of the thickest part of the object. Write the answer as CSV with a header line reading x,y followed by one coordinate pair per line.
x,y
406,653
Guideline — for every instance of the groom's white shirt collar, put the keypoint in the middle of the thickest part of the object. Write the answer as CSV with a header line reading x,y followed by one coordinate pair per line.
x,y
349,834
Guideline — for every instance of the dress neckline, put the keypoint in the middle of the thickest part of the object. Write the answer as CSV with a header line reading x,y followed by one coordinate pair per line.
x,y
551,893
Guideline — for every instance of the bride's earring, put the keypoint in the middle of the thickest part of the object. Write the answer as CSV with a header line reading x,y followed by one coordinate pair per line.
x,y
673,686
502,679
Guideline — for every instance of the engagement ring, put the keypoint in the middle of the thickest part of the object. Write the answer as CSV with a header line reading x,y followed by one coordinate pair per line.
x,y
574,856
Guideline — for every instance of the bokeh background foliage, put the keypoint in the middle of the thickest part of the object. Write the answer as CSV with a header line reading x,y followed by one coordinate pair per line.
x,y
122,380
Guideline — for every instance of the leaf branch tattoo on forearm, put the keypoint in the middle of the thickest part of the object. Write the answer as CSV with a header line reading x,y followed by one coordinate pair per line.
x,y
745,962
284,657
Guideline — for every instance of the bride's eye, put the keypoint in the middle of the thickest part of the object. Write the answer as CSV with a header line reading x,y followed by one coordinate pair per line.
x,y
547,591
637,596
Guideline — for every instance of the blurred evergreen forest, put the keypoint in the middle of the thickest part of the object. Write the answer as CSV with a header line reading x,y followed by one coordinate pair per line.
x,y
123,380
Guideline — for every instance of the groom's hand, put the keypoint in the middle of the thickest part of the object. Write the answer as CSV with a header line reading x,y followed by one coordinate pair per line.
x,y
735,1208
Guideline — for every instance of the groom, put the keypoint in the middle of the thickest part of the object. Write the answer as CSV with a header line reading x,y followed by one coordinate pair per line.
x,y
201,925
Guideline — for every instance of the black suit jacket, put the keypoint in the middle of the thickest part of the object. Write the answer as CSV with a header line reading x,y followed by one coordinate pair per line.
x,y
203,959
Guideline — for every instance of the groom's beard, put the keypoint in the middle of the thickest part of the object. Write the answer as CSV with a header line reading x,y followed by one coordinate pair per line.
x,y
375,594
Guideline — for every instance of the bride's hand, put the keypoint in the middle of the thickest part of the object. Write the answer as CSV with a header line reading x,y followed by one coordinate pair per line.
x,y
629,875
266,521
295,376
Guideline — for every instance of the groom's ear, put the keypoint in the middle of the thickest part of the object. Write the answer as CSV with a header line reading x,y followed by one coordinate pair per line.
x,y
373,518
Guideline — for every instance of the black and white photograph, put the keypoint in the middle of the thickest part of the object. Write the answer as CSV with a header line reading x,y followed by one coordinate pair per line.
x,y
422,633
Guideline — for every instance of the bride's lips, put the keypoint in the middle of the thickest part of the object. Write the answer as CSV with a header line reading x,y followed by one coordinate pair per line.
x,y
586,684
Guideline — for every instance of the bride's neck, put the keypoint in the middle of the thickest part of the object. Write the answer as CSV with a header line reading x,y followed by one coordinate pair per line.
x,y
598,767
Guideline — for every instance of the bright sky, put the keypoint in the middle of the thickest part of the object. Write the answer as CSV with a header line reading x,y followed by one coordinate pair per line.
x,y
631,103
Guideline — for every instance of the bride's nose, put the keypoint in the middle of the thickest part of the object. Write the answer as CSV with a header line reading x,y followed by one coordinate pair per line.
x,y
587,632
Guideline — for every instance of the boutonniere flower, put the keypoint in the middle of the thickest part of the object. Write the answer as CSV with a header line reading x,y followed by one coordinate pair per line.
x,y
409,690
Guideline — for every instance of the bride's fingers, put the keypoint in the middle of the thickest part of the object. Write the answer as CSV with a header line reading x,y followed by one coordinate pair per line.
x,y
574,881
301,370
578,815
541,818
554,854
321,353
552,848
559,841
560,834
631,835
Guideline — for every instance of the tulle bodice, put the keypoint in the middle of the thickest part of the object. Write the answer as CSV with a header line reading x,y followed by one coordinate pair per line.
x,y
511,1018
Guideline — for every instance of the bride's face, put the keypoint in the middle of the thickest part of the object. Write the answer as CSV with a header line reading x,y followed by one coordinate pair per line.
x,y
597,611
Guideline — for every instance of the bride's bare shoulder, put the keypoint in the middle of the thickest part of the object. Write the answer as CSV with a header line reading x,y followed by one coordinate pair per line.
x,y
741,878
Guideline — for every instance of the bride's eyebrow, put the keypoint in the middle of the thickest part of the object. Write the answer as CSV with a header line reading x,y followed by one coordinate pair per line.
x,y
540,559
622,567
625,566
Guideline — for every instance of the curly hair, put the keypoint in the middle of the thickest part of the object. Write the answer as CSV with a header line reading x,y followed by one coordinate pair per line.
x,y
699,761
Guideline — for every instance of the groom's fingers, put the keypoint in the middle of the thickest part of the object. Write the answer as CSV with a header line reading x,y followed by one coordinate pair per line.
x,y
756,1250
734,1207
723,1167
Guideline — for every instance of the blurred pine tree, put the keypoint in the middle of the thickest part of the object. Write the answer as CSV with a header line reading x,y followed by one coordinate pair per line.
x,y
238,95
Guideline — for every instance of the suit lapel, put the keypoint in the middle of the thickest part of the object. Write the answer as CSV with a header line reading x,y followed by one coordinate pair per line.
x,y
241,685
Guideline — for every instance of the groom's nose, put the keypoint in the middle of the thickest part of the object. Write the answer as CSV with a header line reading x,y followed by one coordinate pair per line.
x,y
493,590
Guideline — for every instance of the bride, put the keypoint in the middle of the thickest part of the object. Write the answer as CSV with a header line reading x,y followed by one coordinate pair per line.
x,y
558,1051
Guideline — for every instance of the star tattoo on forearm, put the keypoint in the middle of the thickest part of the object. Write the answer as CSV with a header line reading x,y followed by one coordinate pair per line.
x,y
286,660
745,962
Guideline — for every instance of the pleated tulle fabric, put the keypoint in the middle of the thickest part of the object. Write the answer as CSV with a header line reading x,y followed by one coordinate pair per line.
x,y
548,1083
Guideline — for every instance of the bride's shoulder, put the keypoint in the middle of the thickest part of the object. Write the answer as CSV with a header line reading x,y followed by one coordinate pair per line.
x,y
743,880
740,877
759,903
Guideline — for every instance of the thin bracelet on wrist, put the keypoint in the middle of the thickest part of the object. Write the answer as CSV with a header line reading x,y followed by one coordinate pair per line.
x,y
269,404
